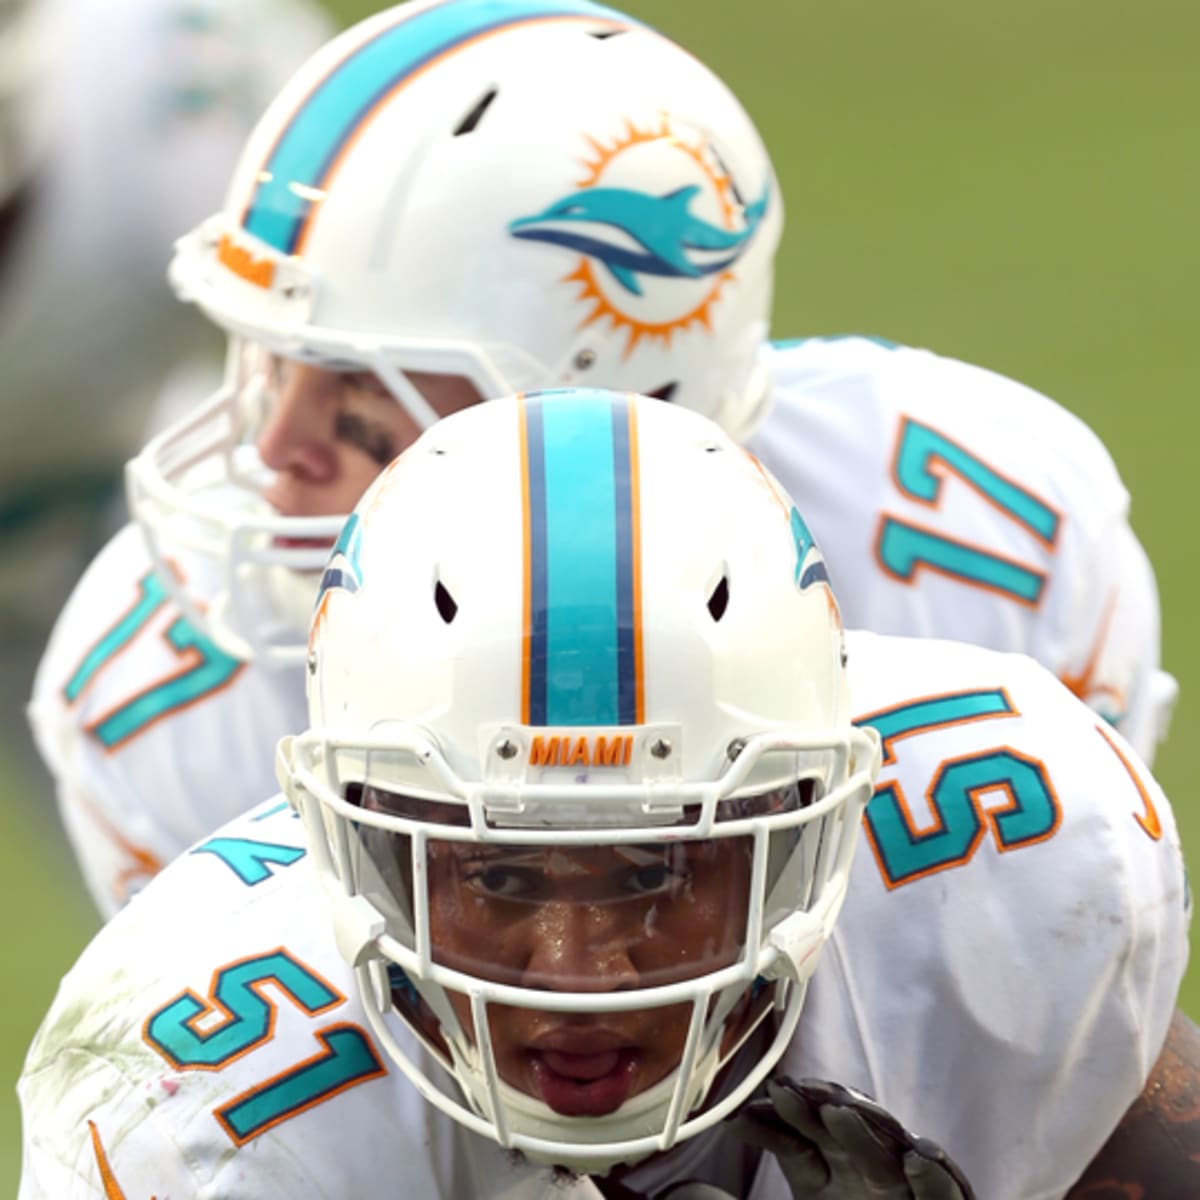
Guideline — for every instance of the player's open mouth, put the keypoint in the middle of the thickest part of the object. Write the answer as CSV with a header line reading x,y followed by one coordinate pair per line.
x,y
583,1085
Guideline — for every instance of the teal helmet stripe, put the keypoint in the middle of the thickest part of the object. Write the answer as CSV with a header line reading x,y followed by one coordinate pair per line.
x,y
583,651
306,152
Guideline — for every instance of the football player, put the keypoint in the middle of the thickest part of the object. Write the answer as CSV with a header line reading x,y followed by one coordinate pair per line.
x,y
580,797
456,200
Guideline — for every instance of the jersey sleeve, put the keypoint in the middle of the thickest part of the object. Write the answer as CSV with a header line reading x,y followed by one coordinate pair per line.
x,y
1009,956
153,736
952,502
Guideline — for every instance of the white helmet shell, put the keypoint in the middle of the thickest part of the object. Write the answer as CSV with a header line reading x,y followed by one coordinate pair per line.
x,y
531,194
526,195
578,619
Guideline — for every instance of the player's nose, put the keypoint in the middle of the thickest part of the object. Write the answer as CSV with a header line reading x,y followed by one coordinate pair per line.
x,y
579,948
297,435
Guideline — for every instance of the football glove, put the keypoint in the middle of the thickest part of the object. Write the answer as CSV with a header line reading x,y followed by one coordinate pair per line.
x,y
832,1141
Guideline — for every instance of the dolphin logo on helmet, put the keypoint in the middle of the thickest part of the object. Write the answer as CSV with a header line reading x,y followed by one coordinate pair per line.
x,y
652,262
672,240
343,570
807,572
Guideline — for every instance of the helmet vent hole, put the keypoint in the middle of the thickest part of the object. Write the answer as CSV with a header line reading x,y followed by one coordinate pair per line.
x,y
665,392
602,35
718,602
446,605
472,119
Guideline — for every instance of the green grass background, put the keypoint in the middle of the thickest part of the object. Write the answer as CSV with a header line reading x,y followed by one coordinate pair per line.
x,y
1015,184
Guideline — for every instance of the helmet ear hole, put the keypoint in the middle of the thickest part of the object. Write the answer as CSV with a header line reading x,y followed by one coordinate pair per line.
x,y
718,600
447,606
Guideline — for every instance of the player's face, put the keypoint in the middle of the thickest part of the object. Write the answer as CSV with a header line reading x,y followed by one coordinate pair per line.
x,y
327,434
594,919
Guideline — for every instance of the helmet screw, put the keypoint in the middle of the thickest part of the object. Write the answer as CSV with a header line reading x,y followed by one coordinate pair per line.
x,y
507,749
735,748
585,359
660,748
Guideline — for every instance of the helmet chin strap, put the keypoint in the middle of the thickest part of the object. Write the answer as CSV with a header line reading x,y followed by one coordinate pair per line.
x,y
630,1122
293,594
582,1144
280,600
592,1144
652,1118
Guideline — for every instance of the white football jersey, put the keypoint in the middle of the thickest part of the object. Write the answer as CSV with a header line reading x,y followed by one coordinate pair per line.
x,y
1001,977
153,735
856,428
952,502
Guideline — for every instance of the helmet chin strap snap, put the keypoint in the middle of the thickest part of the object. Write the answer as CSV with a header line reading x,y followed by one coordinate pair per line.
x,y
357,928
797,941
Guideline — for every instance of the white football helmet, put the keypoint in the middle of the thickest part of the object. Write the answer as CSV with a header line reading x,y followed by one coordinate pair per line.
x,y
576,675
535,194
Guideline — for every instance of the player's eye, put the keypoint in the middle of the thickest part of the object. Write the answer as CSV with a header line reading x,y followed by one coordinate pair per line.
x,y
373,440
502,881
648,880
655,878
